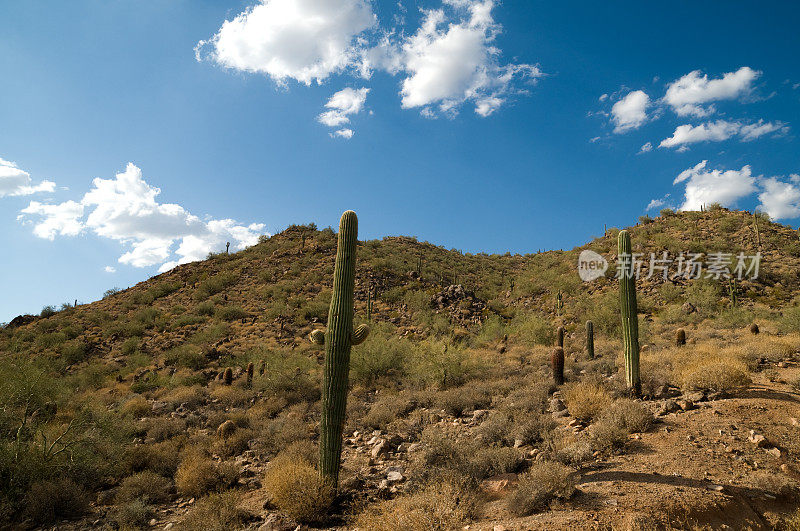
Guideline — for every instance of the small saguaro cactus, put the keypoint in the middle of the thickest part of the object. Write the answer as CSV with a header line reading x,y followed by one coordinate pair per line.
x,y
227,247
680,337
560,336
261,367
590,340
338,340
733,292
628,311
250,369
559,303
227,376
557,362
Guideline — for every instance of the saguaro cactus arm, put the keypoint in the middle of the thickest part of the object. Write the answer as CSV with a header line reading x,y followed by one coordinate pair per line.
x,y
359,334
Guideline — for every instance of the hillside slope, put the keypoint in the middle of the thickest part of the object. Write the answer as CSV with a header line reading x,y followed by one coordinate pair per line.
x,y
112,411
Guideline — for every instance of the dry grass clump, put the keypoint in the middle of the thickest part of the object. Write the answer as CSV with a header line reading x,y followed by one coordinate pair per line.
x,y
136,407
216,512
459,400
469,458
628,414
587,399
232,396
198,474
190,397
146,486
46,501
233,444
132,515
450,502
713,370
297,489
387,409
161,458
162,429
543,483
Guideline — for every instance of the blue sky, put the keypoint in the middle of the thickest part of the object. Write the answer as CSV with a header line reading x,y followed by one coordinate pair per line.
x,y
476,125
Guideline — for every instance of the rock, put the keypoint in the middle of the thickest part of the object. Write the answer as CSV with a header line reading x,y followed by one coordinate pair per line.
x,y
561,414
394,477
756,438
774,452
153,522
169,526
413,447
379,449
685,405
479,414
716,488
688,308
665,391
556,405
668,406
699,396
782,364
517,443
794,422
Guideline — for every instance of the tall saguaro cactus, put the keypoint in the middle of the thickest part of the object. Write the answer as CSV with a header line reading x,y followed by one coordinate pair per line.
x,y
338,340
590,340
628,311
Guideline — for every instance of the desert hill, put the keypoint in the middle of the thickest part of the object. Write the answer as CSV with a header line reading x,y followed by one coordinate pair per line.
x,y
117,413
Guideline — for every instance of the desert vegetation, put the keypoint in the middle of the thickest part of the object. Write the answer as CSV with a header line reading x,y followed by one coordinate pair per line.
x,y
196,400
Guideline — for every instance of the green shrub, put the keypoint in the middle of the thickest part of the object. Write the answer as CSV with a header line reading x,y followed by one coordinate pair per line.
x,y
230,313
214,285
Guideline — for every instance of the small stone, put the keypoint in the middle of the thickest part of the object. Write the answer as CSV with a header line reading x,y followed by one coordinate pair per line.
x,y
152,522
556,405
394,477
774,452
785,468
169,526
413,447
560,414
668,406
756,438
685,405
379,449
795,422
517,443
479,414
782,364
716,488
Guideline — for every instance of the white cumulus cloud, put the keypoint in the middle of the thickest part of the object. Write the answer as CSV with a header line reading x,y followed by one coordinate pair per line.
x,y
630,112
779,199
720,130
343,133
16,182
304,40
125,209
689,93
451,59
704,186
342,104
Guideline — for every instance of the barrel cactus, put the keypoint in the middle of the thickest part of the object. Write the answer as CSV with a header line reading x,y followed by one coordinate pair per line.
x,y
680,337
628,311
754,329
338,340
560,337
557,361
250,370
227,376
590,340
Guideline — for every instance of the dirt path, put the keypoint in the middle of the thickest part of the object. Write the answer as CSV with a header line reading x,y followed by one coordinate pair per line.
x,y
693,468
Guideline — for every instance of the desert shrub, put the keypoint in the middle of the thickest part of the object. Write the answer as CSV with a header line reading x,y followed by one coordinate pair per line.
x,y
233,445
587,399
608,435
297,488
132,515
533,429
714,372
280,432
790,319
605,315
136,406
706,295
124,328
216,512
161,429
495,430
388,408
205,308
230,313
288,374
161,458
74,351
732,318
49,500
147,317
130,346
532,329
459,400
198,474
382,355
449,502
438,363
544,482
48,311
214,285
232,396
147,486
628,414
186,355
468,458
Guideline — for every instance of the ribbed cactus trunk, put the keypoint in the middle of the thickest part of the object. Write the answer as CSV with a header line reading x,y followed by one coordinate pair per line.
x,y
337,350
560,337
557,362
628,311
590,340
